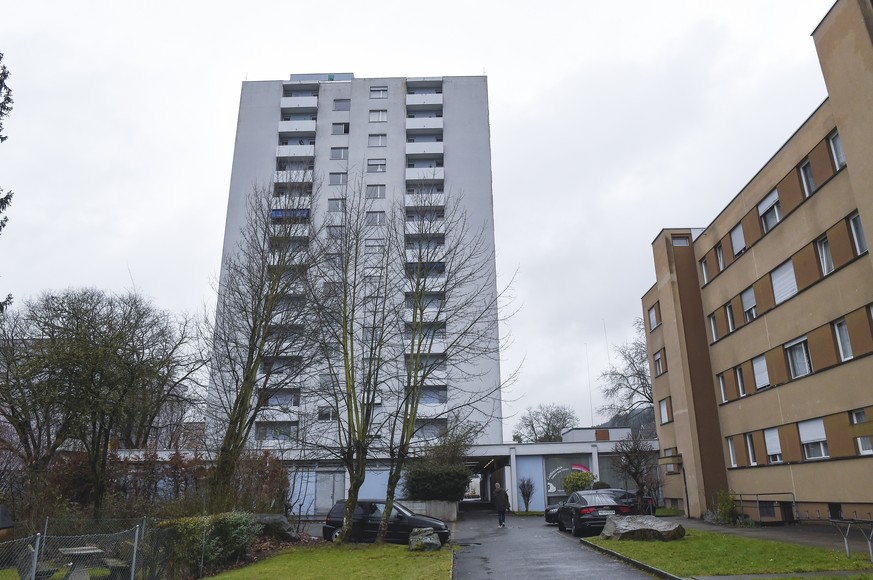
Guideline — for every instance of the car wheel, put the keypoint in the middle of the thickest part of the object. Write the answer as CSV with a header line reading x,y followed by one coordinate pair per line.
x,y
335,535
561,526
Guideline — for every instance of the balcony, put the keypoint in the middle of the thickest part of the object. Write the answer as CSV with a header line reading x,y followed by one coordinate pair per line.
x,y
419,123
425,200
293,176
285,227
300,127
426,315
419,99
437,254
425,148
426,174
289,259
438,346
295,151
426,227
300,104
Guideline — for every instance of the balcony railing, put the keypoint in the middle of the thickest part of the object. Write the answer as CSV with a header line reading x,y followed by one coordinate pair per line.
x,y
305,151
293,176
423,123
425,148
300,103
424,99
297,127
427,174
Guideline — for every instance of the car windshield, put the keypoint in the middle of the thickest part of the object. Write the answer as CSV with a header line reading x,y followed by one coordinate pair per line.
x,y
400,508
598,499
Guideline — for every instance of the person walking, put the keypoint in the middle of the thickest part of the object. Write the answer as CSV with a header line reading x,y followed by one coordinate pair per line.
x,y
501,502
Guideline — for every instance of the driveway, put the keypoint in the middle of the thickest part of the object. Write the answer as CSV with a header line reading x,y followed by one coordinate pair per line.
x,y
527,548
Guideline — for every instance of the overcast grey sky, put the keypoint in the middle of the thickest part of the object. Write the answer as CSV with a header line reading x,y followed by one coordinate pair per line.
x,y
609,120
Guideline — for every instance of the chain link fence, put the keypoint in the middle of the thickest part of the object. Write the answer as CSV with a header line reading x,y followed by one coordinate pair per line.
x,y
79,557
79,549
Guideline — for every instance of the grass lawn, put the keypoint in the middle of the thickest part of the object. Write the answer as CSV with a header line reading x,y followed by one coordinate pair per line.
x,y
712,554
669,512
363,561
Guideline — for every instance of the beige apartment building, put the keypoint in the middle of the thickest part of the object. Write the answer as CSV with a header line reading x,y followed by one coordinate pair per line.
x,y
759,325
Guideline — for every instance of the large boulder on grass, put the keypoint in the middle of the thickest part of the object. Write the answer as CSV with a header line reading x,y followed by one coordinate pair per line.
x,y
641,528
277,526
424,540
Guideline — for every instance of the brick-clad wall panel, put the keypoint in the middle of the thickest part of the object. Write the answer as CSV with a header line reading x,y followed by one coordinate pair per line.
x,y
730,384
790,192
721,322
822,348
752,227
822,164
764,294
777,366
860,334
739,318
840,241
806,267
838,431
711,265
760,447
790,439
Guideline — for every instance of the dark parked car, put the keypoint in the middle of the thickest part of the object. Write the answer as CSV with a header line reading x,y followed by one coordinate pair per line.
x,y
368,514
586,511
629,498
552,513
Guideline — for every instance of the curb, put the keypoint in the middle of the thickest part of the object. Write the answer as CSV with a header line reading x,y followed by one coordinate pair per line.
x,y
635,563
452,545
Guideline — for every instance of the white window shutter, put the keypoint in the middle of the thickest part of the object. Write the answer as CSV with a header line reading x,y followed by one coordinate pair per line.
x,y
784,283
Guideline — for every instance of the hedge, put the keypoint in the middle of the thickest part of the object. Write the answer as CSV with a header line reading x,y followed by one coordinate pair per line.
x,y
426,481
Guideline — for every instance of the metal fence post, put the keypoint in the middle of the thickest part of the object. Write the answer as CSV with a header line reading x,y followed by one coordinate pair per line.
x,y
45,527
133,559
35,558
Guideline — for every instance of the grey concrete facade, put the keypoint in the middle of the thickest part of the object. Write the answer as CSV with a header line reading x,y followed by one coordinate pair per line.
x,y
432,131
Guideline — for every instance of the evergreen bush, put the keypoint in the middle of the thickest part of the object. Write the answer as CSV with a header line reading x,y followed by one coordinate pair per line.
x,y
429,481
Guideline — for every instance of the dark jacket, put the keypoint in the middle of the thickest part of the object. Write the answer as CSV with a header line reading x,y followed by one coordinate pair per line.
x,y
501,499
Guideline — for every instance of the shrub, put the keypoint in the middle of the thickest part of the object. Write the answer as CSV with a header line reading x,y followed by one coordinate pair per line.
x,y
726,507
217,539
600,485
578,480
424,481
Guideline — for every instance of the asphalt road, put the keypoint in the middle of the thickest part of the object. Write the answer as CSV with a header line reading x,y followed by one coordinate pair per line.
x,y
527,548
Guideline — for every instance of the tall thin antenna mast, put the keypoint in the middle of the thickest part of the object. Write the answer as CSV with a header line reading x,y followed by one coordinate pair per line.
x,y
590,398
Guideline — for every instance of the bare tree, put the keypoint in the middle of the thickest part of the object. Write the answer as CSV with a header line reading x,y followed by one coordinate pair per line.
x,y
637,461
404,302
448,323
353,293
5,108
259,339
89,368
628,382
526,488
544,423
34,406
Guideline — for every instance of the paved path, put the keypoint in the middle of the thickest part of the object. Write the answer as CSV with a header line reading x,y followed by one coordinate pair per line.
x,y
527,548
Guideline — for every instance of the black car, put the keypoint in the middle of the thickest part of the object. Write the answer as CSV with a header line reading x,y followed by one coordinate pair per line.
x,y
630,499
586,511
552,513
368,514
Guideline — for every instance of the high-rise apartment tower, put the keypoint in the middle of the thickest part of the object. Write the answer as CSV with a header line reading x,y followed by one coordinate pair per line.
x,y
392,138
